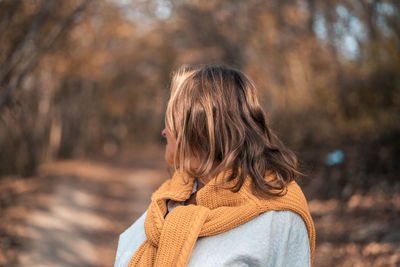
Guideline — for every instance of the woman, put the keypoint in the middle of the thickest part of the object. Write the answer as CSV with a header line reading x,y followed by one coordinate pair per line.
x,y
232,199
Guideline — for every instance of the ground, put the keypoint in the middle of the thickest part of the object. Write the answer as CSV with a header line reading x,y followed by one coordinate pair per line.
x,y
72,213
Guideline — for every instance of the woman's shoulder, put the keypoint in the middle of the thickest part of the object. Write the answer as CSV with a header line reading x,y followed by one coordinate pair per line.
x,y
276,223
286,232
130,240
274,238
282,218
282,226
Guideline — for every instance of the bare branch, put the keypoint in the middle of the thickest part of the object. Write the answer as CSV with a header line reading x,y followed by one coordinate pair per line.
x,y
53,36
16,56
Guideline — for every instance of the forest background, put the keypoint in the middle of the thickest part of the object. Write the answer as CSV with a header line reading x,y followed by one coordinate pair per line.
x,y
86,80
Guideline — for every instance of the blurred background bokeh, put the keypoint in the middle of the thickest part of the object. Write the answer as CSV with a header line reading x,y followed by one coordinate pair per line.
x,y
83,89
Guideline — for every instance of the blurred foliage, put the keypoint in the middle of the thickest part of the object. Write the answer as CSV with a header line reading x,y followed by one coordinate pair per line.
x,y
82,77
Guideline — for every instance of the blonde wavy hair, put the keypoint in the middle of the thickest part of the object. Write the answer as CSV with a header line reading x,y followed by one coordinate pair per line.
x,y
214,115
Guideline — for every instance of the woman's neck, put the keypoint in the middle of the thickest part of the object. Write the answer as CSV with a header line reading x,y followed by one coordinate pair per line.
x,y
199,185
204,180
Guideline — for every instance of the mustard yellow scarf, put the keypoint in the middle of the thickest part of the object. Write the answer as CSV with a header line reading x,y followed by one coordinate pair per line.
x,y
170,240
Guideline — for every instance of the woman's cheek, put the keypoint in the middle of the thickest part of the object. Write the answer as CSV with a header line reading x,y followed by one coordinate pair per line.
x,y
169,154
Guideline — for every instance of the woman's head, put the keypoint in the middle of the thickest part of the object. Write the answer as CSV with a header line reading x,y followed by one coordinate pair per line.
x,y
215,122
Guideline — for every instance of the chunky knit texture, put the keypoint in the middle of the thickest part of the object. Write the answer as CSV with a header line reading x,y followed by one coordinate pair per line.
x,y
170,240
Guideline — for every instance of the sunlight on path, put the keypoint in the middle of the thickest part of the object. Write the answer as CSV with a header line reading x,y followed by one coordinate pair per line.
x,y
90,205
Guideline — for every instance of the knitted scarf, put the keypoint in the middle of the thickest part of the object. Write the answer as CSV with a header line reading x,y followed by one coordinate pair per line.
x,y
170,239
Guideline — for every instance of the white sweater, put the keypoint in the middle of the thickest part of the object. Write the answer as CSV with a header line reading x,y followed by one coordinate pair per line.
x,y
274,238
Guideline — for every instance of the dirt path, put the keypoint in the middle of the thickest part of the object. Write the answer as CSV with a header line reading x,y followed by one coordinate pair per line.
x,y
77,209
